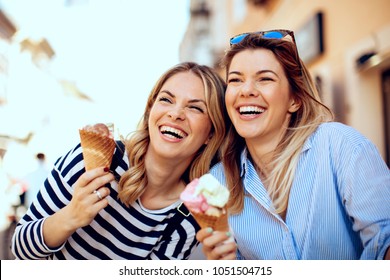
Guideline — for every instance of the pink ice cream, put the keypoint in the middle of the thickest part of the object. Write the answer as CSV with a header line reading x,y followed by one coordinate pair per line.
x,y
197,203
205,195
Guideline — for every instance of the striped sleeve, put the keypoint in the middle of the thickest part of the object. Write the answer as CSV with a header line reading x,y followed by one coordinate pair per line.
x,y
54,194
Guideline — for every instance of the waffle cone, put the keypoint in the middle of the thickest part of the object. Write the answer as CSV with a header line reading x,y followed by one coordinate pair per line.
x,y
97,149
216,223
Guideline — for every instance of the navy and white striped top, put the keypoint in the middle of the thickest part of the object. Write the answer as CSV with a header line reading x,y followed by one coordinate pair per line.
x,y
339,205
117,232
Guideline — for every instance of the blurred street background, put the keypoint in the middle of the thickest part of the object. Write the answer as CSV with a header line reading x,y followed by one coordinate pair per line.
x,y
68,63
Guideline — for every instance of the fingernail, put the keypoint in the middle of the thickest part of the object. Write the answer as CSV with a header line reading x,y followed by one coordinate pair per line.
x,y
228,234
209,230
106,169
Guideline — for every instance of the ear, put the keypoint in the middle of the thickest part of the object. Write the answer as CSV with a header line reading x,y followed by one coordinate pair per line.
x,y
208,139
294,106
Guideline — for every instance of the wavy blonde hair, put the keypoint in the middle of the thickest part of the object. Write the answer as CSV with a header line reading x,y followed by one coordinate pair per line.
x,y
134,181
302,124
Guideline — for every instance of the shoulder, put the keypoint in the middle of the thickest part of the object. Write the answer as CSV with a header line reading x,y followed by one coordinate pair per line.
x,y
217,170
335,132
342,142
343,130
70,161
73,160
219,173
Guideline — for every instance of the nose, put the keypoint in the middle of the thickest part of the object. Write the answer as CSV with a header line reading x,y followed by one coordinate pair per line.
x,y
249,89
177,113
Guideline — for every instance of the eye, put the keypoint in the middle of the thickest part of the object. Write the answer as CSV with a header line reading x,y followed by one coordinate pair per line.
x,y
164,99
196,108
266,79
233,80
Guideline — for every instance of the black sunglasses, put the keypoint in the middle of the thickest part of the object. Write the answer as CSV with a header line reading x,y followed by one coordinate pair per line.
x,y
270,34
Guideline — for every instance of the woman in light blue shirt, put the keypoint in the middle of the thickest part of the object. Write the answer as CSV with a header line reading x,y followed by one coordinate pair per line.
x,y
302,186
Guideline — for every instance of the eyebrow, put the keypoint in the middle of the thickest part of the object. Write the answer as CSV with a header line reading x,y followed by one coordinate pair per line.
x,y
190,101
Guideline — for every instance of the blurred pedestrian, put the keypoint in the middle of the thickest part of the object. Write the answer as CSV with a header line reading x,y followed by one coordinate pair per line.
x,y
35,179
10,200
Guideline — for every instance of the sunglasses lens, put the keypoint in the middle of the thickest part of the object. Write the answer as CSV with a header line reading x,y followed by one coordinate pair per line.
x,y
273,35
237,39
276,34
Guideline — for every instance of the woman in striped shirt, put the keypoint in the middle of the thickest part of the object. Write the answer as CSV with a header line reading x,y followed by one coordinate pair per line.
x,y
302,186
136,213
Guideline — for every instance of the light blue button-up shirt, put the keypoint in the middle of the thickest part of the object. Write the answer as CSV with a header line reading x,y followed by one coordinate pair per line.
x,y
339,205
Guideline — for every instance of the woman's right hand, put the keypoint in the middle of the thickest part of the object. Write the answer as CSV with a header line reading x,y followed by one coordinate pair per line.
x,y
216,245
82,209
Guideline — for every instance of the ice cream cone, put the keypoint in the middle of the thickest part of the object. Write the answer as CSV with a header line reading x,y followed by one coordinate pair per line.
x,y
216,223
97,149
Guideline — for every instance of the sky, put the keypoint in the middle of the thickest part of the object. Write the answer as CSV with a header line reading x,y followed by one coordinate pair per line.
x,y
112,50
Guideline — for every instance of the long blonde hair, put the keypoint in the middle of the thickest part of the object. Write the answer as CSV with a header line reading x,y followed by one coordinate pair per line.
x,y
302,124
134,181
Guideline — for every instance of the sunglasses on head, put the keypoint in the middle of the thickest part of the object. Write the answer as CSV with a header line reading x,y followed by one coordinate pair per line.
x,y
279,34
270,34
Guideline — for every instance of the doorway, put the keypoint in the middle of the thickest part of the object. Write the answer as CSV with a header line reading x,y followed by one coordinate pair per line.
x,y
386,112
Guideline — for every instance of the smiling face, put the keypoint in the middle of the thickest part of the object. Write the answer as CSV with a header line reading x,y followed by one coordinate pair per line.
x,y
178,122
258,97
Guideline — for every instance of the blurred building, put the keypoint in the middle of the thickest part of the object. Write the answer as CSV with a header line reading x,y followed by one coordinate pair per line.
x,y
344,43
34,101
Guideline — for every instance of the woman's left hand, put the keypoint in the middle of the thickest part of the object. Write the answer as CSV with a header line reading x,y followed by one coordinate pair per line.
x,y
216,245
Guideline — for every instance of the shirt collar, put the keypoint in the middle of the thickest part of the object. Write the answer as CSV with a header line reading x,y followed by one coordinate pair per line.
x,y
308,143
244,159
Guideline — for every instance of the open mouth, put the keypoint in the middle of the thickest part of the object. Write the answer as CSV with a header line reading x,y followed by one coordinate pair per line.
x,y
251,110
172,132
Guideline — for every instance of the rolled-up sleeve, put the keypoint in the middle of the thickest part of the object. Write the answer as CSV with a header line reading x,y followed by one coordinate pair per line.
x,y
367,199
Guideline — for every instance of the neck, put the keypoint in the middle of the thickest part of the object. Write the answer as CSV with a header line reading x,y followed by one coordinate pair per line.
x,y
164,182
160,170
261,154
262,149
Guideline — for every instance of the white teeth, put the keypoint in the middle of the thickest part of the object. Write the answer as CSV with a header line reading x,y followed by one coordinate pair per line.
x,y
173,132
251,110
